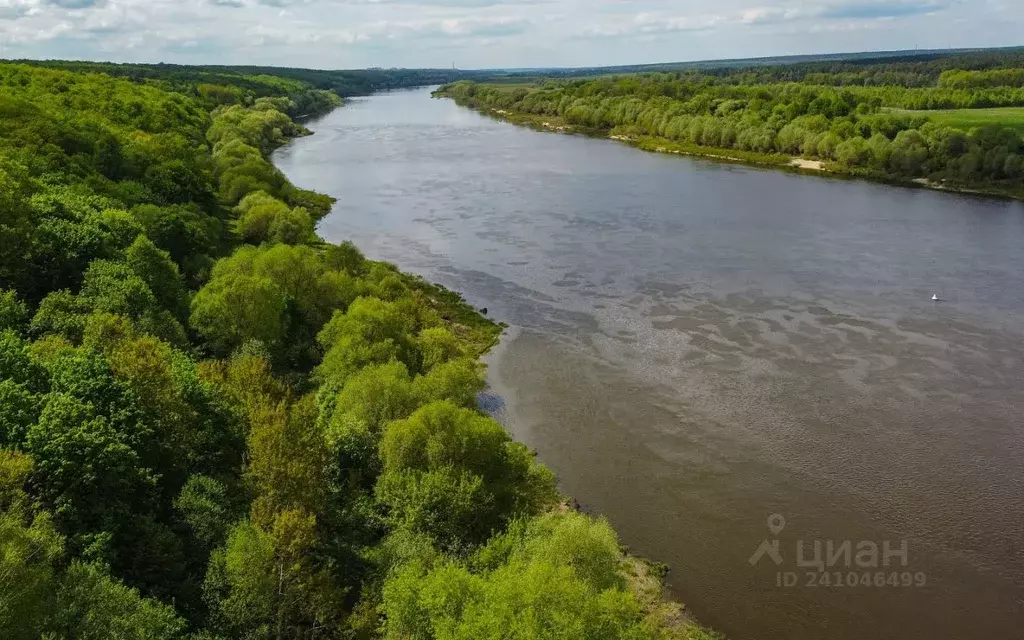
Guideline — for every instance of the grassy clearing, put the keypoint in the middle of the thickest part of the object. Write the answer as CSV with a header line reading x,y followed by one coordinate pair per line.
x,y
968,118
512,85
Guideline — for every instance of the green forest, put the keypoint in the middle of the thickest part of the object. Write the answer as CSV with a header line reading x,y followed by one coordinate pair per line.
x,y
213,424
345,83
861,117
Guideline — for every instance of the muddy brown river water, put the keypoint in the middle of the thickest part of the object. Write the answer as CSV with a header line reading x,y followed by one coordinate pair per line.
x,y
696,347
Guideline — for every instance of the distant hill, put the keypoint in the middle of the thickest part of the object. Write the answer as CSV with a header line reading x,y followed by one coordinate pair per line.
x,y
863,57
356,82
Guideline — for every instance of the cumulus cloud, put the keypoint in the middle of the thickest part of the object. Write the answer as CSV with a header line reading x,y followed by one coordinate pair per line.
x,y
15,9
489,33
871,10
651,24
767,15
77,4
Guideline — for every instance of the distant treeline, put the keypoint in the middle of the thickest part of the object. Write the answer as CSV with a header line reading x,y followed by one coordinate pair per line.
x,y
808,110
345,83
929,64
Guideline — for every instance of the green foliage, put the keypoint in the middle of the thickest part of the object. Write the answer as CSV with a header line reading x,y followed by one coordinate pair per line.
x,y
325,466
29,548
554,578
263,218
91,473
457,476
188,234
23,384
588,546
116,288
287,462
19,409
458,381
828,115
160,273
968,119
93,606
346,257
438,345
13,312
234,309
205,505
280,295
371,332
37,600
241,585
265,582
376,395
18,364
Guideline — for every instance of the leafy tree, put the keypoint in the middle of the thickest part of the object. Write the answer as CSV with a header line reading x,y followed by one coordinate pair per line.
x,y
241,585
90,474
29,550
825,113
156,268
294,279
437,345
287,461
370,332
555,578
108,288
378,394
231,310
293,485
265,583
92,605
246,382
205,505
185,232
19,409
346,257
458,381
23,384
457,475
265,218
13,312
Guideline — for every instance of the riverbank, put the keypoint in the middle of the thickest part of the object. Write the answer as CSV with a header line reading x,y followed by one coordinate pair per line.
x,y
809,166
673,351
645,579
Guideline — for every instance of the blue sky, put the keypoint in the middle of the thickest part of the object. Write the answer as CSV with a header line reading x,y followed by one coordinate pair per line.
x,y
490,33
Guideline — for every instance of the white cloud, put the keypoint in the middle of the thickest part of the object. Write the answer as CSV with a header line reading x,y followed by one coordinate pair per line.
x,y
15,9
488,33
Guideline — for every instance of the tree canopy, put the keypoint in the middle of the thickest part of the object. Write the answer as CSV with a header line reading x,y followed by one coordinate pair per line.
x,y
860,117
213,424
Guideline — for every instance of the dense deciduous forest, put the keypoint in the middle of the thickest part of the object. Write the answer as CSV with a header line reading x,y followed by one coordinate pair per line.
x,y
857,117
931,63
345,83
213,424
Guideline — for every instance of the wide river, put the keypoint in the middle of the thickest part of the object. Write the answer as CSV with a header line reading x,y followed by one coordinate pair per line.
x,y
695,347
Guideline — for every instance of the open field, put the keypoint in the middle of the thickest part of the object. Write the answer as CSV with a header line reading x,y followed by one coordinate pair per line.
x,y
968,118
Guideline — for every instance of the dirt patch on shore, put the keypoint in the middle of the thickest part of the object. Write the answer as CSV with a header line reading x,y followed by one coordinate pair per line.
x,y
810,165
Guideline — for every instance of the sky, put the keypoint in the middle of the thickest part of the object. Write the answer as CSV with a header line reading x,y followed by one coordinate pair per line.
x,y
473,34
